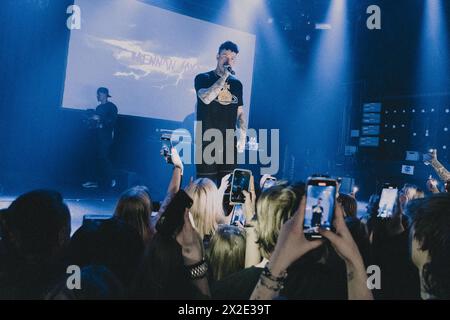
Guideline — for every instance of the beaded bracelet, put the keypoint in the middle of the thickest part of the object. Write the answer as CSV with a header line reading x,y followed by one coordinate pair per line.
x,y
266,272
277,287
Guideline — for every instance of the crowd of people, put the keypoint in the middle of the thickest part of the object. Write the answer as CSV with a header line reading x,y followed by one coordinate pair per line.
x,y
189,249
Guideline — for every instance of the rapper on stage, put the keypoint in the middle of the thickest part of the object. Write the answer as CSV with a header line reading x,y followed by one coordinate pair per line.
x,y
220,106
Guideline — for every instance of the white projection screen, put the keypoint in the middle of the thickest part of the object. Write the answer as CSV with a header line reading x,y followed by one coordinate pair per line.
x,y
148,58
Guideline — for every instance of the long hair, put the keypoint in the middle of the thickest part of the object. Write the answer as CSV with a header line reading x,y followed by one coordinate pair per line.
x,y
135,207
162,274
227,251
274,207
207,207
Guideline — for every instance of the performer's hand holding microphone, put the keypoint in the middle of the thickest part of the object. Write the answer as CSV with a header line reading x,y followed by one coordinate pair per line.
x,y
229,69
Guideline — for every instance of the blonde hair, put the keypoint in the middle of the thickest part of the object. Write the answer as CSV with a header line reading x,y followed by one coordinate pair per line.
x,y
227,254
207,207
274,207
412,192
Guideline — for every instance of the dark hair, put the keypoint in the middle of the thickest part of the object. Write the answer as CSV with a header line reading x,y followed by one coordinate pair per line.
x,y
228,45
299,187
162,274
112,243
431,222
135,208
360,236
39,221
97,282
349,204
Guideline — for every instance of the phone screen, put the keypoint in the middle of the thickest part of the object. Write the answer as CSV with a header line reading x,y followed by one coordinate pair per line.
x,y
166,147
387,202
238,215
240,182
320,200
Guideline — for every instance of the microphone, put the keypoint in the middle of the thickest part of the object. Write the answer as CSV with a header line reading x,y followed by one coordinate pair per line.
x,y
230,70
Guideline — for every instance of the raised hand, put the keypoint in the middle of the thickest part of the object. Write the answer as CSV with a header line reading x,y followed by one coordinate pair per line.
x,y
430,156
342,240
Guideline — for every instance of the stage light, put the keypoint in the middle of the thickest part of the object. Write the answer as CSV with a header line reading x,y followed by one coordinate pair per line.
x,y
433,50
243,14
445,129
322,26
444,147
414,134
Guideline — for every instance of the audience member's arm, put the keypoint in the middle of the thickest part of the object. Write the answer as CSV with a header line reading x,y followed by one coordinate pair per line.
x,y
250,203
432,185
193,254
221,191
291,245
437,166
175,181
347,249
252,254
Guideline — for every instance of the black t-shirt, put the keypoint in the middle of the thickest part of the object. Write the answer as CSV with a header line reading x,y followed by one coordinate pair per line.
x,y
238,286
221,113
108,115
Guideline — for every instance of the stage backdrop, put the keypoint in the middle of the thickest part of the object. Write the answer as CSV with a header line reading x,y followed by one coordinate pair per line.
x,y
147,57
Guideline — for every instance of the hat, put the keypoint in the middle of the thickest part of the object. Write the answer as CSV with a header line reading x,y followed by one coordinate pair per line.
x,y
103,90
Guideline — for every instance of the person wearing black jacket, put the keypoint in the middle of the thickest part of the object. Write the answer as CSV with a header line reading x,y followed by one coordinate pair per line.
x,y
104,119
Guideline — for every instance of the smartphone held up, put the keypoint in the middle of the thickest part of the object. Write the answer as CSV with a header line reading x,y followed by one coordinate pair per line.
x,y
320,202
240,181
388,198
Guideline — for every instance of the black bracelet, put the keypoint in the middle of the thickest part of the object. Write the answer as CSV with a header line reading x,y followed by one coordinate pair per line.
x,y
279,285
266,272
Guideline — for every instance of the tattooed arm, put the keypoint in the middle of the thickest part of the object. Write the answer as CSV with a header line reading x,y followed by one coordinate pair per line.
x,y
242,125
431,157
207,95
357,281
440,170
